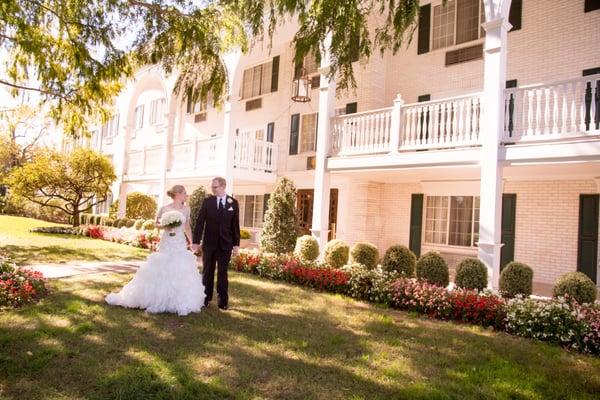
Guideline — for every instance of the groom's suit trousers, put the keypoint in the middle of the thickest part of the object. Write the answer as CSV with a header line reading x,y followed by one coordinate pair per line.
x,y
219,259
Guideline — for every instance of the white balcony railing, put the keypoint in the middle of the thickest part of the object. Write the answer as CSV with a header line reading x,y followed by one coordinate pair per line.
x,y
255,155
451,122
147,160
563,109
362,133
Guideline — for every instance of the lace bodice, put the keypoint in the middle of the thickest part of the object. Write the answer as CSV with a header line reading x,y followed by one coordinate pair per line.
x,y
177,242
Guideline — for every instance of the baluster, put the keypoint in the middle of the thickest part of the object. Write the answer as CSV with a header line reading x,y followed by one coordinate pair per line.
x,y
555,99
530,112
583,87
547,111
461,121
594,117
448,124
454,133
467,106
419,131
573,127
435,131
412,127
564,109
538,112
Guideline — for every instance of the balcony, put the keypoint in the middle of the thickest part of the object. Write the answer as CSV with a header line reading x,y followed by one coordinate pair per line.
x,y
145,161
547,114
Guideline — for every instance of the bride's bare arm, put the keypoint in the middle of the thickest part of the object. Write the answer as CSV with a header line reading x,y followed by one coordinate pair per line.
x,y
160,213
187,227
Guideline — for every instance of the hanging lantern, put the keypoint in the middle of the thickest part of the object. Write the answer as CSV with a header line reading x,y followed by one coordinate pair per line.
x,y
301,87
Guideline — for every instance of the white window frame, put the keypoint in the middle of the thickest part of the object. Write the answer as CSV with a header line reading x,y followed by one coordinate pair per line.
x,y
474,222
480,33
110,129
139,117
301,150
257,212
263,86
200,106
157,110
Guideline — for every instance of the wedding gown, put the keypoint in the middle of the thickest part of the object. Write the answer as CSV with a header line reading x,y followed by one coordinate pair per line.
x,y
169,281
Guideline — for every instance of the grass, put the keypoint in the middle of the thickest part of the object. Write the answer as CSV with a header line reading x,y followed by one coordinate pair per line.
x,y
25,247
276,342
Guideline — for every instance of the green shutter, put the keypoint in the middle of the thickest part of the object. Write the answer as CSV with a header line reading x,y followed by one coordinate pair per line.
x,y
265,204
509,207
294,133
587,246
275,74
514,15
416,223
424,28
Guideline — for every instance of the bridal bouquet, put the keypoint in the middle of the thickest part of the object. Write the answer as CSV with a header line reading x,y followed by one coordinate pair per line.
x,y
171,219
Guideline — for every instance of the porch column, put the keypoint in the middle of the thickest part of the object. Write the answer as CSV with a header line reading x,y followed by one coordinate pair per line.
x,y
163,129
125,137
320,220
496,29
395,124
228,145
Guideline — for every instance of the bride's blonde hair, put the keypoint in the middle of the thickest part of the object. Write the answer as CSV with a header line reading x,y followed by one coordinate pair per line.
x,y
174,190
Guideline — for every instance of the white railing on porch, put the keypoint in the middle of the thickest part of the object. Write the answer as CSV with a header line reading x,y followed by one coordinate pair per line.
x,y
450,122
196,154
362,133
253,154
563,109
147,160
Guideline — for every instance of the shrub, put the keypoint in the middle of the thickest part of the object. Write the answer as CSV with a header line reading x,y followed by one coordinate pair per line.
x,y
516,279
307,248
281,221
195,202
19,285
576,285
109,222
244,234
62,230
361,280
365,253
471,274
149,225
113,209
140,205
401,260
138,224
432,268
129,223
121,222
336,253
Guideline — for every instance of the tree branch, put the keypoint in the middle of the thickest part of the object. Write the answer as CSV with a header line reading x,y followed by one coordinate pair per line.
x,y
49,93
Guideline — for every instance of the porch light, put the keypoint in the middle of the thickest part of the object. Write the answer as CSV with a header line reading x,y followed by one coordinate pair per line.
x,y
301,87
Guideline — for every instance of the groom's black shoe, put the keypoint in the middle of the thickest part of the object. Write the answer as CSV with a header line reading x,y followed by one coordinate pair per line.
x,y
206,303
223,307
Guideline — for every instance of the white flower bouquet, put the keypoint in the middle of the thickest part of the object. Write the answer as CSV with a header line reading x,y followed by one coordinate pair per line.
x,y
170,220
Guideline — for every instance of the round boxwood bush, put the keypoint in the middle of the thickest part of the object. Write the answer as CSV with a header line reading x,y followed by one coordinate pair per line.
x,y
400,259
576,285
471,274
432,268
516,279
149,225
307,248
120,222
138,224
365,253
336,253
109,222
244,234
129,222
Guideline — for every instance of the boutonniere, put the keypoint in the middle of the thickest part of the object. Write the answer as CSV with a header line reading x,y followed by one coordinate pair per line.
x,y
229,201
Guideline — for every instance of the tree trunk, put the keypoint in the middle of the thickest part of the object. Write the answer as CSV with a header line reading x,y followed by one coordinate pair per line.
x,y
75,217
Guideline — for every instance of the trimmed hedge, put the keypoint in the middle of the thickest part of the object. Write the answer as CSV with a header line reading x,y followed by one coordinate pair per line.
x,y
307,248
471,274
400,259
336,253
576,285
365,253
516,279
431,267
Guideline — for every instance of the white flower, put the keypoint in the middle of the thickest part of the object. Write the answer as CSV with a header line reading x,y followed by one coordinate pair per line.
x,y
229,201
171,219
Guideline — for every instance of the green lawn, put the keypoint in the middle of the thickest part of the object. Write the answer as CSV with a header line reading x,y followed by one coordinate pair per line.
x,y
25,247
278,342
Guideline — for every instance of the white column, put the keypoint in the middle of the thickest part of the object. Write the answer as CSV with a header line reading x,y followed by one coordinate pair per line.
x,y
163,129
496,29
125,137
395,124
320,220
228,145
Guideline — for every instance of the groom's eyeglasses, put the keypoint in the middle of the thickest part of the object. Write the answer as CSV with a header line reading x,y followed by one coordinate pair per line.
x,y
215,187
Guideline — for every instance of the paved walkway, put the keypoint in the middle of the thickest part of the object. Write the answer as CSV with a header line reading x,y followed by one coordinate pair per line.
x,y
85,267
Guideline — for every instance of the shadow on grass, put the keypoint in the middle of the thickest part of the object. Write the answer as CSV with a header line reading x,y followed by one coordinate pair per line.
x,y
56,253
277,341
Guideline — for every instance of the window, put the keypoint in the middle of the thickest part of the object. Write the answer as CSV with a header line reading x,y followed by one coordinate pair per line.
x,y
139,117
251,210
459,21
111,128
200,105
308,133
309,64
157,110
452,220
260,79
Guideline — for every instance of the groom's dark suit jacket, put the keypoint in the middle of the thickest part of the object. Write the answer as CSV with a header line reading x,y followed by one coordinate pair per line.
x,y
218,229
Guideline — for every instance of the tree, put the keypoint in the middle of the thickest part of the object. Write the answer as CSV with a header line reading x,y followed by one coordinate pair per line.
x,y
195,203
90,56
78,180
280,229
140,205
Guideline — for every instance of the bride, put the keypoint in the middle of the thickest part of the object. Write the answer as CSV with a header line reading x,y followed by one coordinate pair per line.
x,y
169,281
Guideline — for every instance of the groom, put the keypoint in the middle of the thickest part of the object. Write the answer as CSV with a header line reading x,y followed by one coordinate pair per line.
x,y
219,221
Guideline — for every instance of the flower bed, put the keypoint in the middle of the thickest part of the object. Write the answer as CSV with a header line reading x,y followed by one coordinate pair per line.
x,y
132,237
559,320
19,286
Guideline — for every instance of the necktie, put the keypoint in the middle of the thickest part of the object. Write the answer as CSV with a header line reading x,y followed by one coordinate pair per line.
x,y
221,205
